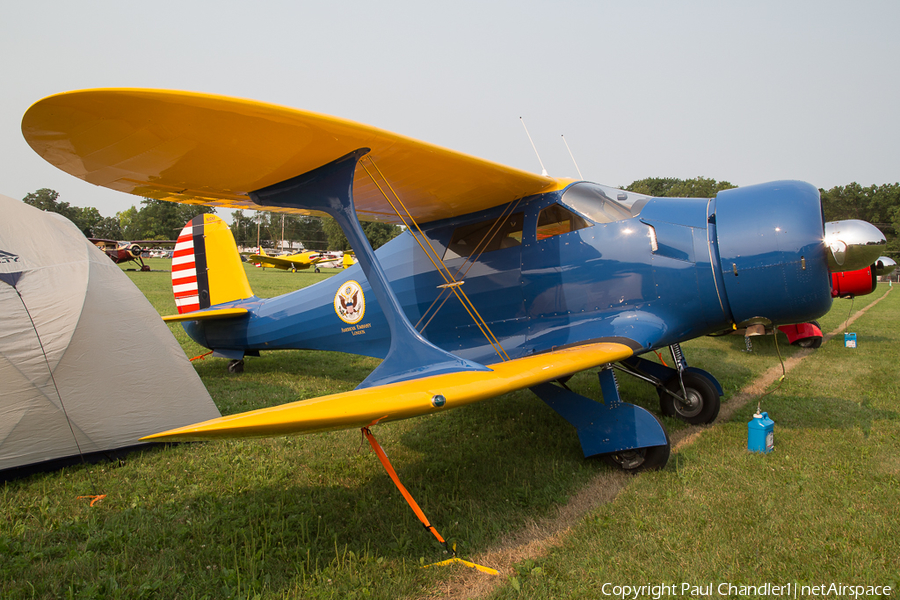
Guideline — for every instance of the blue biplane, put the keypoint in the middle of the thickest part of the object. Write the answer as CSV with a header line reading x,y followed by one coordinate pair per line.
x,y
502,280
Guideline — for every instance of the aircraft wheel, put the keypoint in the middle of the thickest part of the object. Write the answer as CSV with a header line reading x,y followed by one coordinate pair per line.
x,y
317,269
635,461
810,342
236,366
814,341
702,402
293,270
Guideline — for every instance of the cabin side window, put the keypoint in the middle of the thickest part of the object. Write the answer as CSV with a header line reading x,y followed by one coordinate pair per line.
x,y
485,236
556,220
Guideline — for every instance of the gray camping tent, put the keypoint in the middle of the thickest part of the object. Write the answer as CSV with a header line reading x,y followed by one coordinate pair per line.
x,y
86,364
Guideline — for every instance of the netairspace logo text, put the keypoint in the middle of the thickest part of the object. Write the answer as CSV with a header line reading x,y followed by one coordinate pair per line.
x,y
774,590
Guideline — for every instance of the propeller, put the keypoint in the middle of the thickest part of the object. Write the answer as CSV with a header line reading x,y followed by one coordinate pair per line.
x,y
853,244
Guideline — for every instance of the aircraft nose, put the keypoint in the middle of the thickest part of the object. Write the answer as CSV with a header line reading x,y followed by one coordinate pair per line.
x,y
773,259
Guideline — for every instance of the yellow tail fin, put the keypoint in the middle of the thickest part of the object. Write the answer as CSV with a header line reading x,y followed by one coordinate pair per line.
x,y
206,267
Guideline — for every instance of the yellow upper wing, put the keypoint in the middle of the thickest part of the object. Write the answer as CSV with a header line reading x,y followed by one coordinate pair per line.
x,y
368,406
204,149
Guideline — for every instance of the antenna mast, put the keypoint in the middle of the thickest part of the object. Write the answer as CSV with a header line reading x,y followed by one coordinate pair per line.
x,y
543,170
580,176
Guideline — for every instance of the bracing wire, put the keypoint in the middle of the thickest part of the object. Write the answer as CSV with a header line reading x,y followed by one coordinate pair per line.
x,y
452,283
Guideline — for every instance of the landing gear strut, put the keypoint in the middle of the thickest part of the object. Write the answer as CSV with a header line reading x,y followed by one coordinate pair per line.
x,y
688,393
697,403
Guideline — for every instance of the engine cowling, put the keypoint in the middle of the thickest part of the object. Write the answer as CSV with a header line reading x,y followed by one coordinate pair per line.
x,y
772,256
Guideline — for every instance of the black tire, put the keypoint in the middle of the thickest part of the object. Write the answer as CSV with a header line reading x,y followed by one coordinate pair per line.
x,y
317,269
653,458
236,366
703,399
809,342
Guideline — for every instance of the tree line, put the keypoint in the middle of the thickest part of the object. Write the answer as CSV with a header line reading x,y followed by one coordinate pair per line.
x,y
295,231
161,220
155,220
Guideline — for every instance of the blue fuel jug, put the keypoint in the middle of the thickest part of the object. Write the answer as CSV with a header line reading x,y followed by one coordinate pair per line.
x,y
761,433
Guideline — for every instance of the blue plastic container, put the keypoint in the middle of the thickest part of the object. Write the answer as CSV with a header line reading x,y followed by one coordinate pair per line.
x,y
761,433
849,340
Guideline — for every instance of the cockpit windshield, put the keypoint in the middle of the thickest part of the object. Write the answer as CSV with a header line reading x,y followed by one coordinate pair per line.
x,y
603,204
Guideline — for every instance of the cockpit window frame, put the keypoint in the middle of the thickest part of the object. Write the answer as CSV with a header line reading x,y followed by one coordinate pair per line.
x,y
472,236
602,204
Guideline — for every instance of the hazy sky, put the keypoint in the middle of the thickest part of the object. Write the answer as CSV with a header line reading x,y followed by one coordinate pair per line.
x,y
740,91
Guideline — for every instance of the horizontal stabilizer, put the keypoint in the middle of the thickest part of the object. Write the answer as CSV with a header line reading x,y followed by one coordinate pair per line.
x,y
204,315
369,406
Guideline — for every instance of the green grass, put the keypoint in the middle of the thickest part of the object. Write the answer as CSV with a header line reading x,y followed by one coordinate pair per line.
x,y
822,508
316,516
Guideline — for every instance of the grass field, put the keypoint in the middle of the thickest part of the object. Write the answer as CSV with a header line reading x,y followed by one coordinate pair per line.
x,y
317,517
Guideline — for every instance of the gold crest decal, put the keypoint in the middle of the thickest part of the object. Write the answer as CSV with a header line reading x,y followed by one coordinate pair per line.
x,y
349,303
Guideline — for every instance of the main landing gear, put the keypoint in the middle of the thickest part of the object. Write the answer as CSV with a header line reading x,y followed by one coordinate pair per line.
x,y
626,436
688,393
622,434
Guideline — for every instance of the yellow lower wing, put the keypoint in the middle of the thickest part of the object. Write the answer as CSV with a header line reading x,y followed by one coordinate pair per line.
x,y
369,406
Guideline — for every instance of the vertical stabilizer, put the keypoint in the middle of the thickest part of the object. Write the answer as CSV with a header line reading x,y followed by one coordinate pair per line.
x,y
206,267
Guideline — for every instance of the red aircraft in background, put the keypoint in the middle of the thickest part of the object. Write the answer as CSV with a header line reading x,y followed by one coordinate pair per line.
x,y
122,252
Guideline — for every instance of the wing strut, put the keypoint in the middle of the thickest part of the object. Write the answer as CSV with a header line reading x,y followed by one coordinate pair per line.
x,y
416,509
470,261
329,189
449,280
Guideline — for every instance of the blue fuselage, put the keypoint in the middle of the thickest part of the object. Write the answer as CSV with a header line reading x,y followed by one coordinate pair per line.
x,y
653,271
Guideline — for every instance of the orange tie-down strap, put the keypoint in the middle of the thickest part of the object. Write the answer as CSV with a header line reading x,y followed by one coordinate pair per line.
x,y
416,509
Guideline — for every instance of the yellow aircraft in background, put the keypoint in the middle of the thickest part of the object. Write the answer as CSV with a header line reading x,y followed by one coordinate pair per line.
x,y
298,261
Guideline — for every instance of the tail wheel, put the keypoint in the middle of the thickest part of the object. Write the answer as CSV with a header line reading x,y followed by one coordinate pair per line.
x,y
700,405
236,366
